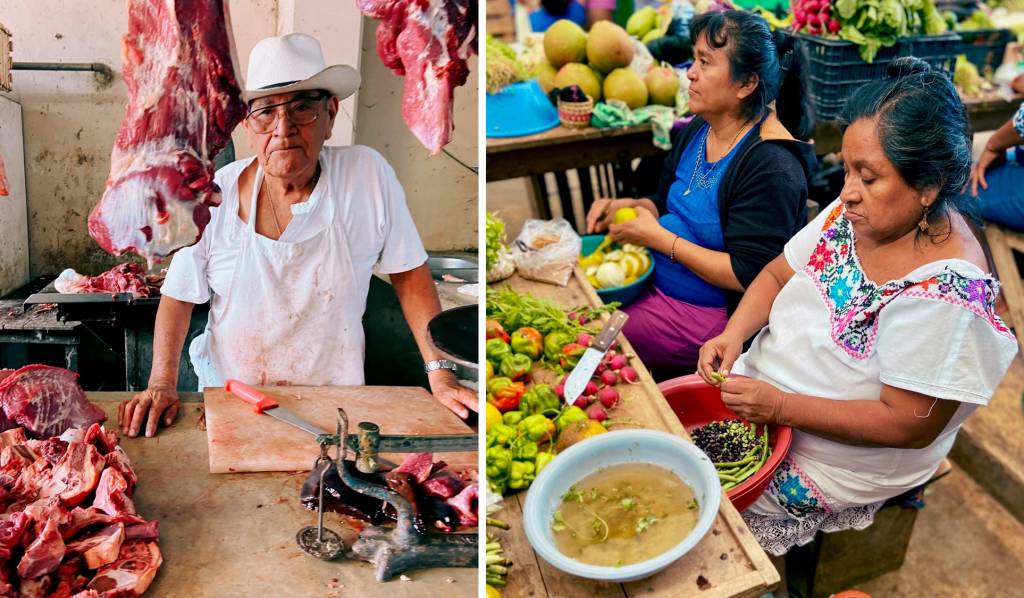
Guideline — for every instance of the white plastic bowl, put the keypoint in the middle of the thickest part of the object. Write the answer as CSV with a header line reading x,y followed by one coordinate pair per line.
x,y
626,446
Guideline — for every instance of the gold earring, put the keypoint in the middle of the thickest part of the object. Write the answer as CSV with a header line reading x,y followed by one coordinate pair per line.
x,y
923,224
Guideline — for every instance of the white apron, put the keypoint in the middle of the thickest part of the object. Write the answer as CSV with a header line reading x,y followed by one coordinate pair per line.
x,y
291,315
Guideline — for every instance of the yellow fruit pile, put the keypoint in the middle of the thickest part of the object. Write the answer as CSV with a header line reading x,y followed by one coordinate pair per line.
x,y
615,268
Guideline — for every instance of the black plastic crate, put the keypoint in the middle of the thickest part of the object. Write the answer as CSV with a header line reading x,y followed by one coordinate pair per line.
x,y
985,48
835,68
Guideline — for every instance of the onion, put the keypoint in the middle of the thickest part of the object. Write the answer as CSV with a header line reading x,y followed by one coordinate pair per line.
x,y
629,375
608,396
597,413
609,378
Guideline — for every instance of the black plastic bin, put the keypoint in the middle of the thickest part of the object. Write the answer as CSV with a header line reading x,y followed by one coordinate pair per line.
x,y
835,67
985,48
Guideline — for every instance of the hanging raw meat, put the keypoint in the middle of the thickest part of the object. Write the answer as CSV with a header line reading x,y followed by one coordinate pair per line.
x,y
122,278
183,102
429,43
4,191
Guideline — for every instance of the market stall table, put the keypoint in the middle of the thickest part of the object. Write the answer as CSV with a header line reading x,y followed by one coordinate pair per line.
x,y
234,534
727,562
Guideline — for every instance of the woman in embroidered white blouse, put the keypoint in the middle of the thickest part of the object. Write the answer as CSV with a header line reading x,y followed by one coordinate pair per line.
x,y
881,333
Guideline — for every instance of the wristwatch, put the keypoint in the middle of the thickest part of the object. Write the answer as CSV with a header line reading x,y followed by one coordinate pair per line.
x,y
439,364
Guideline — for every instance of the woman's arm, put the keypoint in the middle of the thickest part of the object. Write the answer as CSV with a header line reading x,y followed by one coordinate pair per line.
x,y
899,419
418,297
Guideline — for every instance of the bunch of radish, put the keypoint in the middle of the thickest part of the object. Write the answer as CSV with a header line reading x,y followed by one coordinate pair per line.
x,y
814,16
600,395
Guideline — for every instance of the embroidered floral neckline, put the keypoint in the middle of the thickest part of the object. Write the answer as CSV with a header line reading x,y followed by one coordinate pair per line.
x,y
854,301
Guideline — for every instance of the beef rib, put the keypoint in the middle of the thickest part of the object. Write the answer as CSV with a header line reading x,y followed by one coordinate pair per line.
x,y
183,102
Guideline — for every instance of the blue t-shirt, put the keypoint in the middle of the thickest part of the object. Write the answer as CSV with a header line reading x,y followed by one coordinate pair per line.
x,y
694,217
541,19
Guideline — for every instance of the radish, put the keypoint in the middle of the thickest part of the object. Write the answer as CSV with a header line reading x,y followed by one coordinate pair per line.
x,y
813,20
618,362
597,413
629,375
608,396
609,378
833,26
581,401
560,391
591,389
584,339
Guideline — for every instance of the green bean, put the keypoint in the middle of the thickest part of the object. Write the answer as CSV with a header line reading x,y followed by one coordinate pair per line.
x,y
728,485
746,459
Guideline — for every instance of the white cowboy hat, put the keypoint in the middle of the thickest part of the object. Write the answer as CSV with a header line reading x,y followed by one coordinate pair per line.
x,y
295,62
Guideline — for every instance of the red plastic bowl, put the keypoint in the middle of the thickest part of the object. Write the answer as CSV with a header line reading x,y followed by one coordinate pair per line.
x,y
697,403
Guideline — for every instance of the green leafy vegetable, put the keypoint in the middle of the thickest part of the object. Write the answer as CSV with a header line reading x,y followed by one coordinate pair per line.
x,y
495,239
645,522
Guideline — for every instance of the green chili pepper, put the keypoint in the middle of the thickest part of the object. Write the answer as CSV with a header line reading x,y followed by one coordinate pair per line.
x,y
528,341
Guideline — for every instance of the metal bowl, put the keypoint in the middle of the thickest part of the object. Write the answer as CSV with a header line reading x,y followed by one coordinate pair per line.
x,y
460,267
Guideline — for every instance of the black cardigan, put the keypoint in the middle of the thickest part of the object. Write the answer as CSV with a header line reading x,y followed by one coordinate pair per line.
x,y
762,197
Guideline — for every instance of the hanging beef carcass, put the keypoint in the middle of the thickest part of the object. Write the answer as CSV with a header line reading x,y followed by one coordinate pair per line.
x,y
429,43
183,102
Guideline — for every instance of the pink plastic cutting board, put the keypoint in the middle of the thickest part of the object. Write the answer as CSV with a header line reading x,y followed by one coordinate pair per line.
x,y
243,441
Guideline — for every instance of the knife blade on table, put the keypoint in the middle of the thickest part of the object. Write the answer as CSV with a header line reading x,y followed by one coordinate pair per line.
x,y
584,369
265,405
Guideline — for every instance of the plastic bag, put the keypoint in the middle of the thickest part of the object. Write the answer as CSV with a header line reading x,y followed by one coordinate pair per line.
x,y
547,251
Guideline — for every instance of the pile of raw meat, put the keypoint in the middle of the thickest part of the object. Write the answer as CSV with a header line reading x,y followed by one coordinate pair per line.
x,y
429,43
441,499
122,278
68,526
183,102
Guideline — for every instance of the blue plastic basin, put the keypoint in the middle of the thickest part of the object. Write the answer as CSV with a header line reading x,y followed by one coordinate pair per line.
x,y
520,109
624,294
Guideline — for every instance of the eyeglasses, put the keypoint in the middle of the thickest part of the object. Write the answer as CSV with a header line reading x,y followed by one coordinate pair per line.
x,y
300,112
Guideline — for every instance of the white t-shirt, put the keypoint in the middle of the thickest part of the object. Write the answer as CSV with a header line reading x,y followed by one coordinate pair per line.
x,y
368,199
834,333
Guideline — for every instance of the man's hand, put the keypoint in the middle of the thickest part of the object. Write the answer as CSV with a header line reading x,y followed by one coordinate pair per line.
x,y
150,407
451,394
754,400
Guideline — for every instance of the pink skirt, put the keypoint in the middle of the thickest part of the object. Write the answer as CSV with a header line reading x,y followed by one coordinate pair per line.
x,y
667,333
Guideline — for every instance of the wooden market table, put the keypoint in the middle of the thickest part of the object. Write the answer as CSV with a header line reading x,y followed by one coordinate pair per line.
x,y
234,534
727,562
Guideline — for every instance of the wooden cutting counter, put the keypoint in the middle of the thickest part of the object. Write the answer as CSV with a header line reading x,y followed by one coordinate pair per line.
x,y
234,534
727,562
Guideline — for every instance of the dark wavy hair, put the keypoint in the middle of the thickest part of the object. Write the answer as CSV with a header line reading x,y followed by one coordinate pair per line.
x,y
922,126
753,49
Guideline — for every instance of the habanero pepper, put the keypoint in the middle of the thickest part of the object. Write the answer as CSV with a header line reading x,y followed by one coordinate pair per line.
x,y
505,394
571,354
494,329
542,460
512,418
515,366
539,398
501,435
553,344
569,416
536,428
521,474
495,349
528,341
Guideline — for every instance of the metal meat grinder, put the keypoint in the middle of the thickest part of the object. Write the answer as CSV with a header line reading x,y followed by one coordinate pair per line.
x,y
392,550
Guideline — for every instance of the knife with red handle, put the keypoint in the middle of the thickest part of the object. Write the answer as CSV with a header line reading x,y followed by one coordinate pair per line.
x,y
265,405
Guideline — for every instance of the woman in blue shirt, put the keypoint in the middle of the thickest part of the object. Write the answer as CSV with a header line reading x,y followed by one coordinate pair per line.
x,y
732,191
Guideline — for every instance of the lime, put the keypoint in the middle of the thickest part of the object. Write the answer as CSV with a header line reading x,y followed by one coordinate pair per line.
x,y
624,215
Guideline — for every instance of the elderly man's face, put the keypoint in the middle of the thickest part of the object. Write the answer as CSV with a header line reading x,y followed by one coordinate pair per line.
x,y
288,148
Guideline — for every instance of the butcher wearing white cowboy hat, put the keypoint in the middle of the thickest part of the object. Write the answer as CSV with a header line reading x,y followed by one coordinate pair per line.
x,y
287,257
